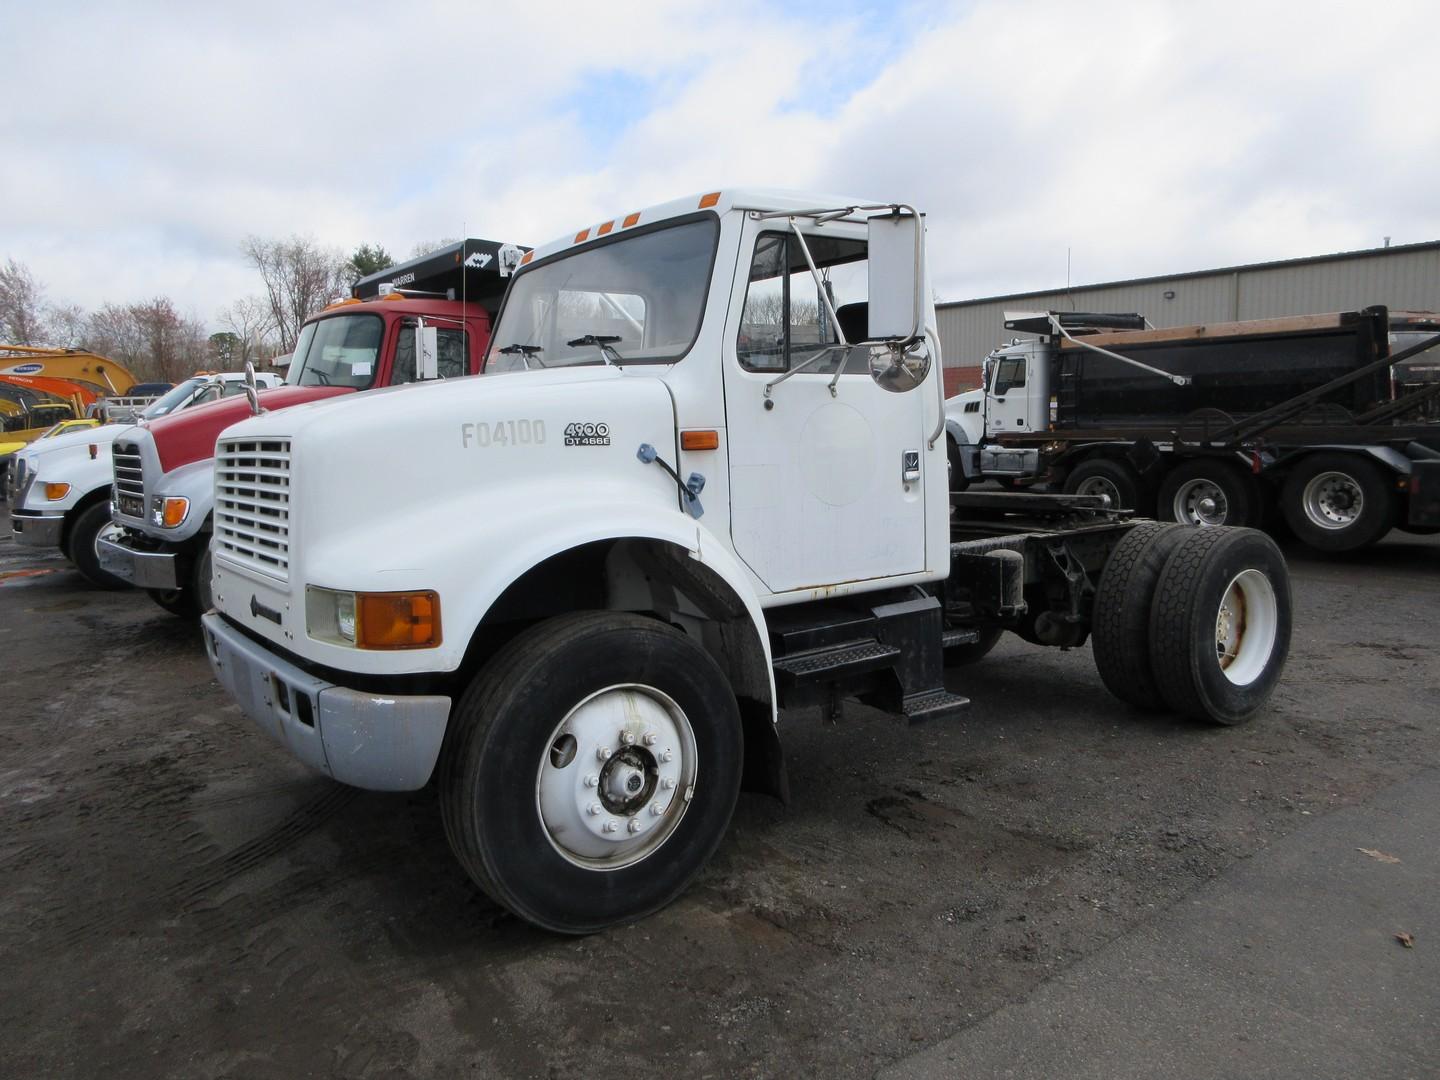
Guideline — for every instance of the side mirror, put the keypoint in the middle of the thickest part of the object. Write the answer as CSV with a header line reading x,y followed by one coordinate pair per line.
x,y
897,259
427,352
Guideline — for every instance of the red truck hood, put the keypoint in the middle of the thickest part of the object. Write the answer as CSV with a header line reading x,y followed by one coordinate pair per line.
x,y
189,435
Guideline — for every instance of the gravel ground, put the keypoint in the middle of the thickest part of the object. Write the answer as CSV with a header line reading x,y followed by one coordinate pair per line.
x,y
182,899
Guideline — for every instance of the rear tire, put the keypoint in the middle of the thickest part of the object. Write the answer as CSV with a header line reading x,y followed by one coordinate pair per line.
x,y
1120,622
1114,479
1220,624
530,780
958,480
1209,492
1338,502
81,544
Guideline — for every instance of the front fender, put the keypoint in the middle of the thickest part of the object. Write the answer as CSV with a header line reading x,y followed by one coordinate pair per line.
x,y
196,482
71,465
470,555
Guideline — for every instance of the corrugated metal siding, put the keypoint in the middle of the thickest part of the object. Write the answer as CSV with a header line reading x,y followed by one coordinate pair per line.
x,y
1400,279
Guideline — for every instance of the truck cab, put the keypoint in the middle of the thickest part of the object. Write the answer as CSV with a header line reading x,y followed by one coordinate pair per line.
x,y
163,488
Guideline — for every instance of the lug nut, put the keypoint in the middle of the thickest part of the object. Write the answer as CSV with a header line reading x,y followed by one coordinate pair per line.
x,y
667,755
634,824
603,753
592,780
628,738
656,809
609,826
594,809
651,738
669,783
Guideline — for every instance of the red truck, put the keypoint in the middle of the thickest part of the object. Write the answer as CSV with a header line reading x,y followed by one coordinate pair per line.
x,y
428,318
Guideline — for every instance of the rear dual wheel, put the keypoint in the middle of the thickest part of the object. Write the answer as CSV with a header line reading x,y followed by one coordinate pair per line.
x,y
1209,491
1338,502
591,769
1194,620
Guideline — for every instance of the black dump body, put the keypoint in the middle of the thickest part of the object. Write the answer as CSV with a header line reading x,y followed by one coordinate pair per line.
x,y
1237,369
466,270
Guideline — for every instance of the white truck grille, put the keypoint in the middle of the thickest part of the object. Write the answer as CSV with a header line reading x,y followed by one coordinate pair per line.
x,y
252,503
129,479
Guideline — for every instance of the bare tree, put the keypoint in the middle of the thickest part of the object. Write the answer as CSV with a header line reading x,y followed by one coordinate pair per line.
x,y
251,321
300,278
425,247
152,339
22,306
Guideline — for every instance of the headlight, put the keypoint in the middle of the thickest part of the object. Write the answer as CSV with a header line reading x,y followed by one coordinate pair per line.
x,y
400,620
169,512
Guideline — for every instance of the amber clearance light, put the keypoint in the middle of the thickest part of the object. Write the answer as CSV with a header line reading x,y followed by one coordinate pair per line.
x,y
397,620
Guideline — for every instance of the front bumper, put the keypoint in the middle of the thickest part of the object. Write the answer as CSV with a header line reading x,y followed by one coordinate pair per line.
x,y
375,741
37,530
143,569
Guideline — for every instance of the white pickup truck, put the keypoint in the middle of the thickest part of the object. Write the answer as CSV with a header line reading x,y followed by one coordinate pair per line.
x,y
62,486
702,478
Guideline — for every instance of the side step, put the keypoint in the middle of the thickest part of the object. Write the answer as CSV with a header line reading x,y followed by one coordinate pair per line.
x,y
836,662
933,705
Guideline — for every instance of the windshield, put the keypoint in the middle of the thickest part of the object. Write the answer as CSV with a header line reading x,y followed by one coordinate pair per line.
x,y
171,400
637,300
343,350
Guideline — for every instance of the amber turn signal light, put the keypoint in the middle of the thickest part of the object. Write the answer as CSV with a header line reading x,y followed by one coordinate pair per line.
x,y
175,511
56,491
700,440
398,620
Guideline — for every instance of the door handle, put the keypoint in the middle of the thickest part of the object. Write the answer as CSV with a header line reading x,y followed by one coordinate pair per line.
x,y
909,466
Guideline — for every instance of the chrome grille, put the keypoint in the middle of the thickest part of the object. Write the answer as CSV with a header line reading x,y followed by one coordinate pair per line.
x,y
129,479
252,503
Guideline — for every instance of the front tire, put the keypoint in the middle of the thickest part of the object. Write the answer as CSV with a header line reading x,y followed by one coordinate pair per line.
x,y
1220,624
81,544
591,769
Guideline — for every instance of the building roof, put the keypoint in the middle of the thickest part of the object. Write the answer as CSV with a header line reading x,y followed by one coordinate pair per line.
x,y
1339,256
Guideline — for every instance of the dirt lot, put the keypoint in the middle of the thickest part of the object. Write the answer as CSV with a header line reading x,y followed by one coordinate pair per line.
x,y
181,899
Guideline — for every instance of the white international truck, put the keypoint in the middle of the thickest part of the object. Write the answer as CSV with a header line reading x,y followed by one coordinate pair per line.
x,y
702,478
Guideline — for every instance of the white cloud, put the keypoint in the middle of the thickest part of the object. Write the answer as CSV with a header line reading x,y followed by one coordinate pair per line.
x,y
144,142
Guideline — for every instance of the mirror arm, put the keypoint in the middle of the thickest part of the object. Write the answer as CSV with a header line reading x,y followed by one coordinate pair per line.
x,y
825,350
939,363
820,289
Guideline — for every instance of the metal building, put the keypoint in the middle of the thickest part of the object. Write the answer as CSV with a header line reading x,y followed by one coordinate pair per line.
x,y
1405,277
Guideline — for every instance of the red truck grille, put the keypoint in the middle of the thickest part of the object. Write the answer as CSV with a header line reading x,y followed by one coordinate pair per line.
x,y
252,503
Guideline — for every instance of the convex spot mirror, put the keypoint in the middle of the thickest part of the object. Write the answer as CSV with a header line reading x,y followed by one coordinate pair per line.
x,y
899,371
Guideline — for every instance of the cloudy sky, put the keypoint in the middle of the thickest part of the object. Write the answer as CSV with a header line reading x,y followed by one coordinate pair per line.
x,y
143,141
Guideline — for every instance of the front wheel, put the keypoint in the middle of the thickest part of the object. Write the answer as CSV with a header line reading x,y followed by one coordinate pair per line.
x,y
591,769
84,535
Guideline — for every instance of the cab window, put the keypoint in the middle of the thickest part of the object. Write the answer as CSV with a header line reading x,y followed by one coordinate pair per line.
x,y
786,323
1009,374
451,360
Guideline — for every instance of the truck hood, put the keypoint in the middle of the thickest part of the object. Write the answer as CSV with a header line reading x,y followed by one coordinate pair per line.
x,y
101,436
189,435
970,421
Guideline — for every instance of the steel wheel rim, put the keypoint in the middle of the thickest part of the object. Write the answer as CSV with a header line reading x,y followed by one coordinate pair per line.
x,y
616,776
1246,626
1099,485
1333,500
1188,505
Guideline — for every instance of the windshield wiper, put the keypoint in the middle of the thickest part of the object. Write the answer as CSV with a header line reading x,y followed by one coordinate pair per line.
x,y
525,352
604,342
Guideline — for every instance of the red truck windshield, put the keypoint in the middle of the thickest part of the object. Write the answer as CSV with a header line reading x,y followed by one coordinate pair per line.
x,y
345,350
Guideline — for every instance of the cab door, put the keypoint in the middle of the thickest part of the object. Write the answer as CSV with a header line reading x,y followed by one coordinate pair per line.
x,y
825,483
1007,401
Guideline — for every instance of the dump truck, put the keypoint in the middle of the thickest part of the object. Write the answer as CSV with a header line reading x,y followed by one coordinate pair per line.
x,y
1313,419
425,319
702,478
